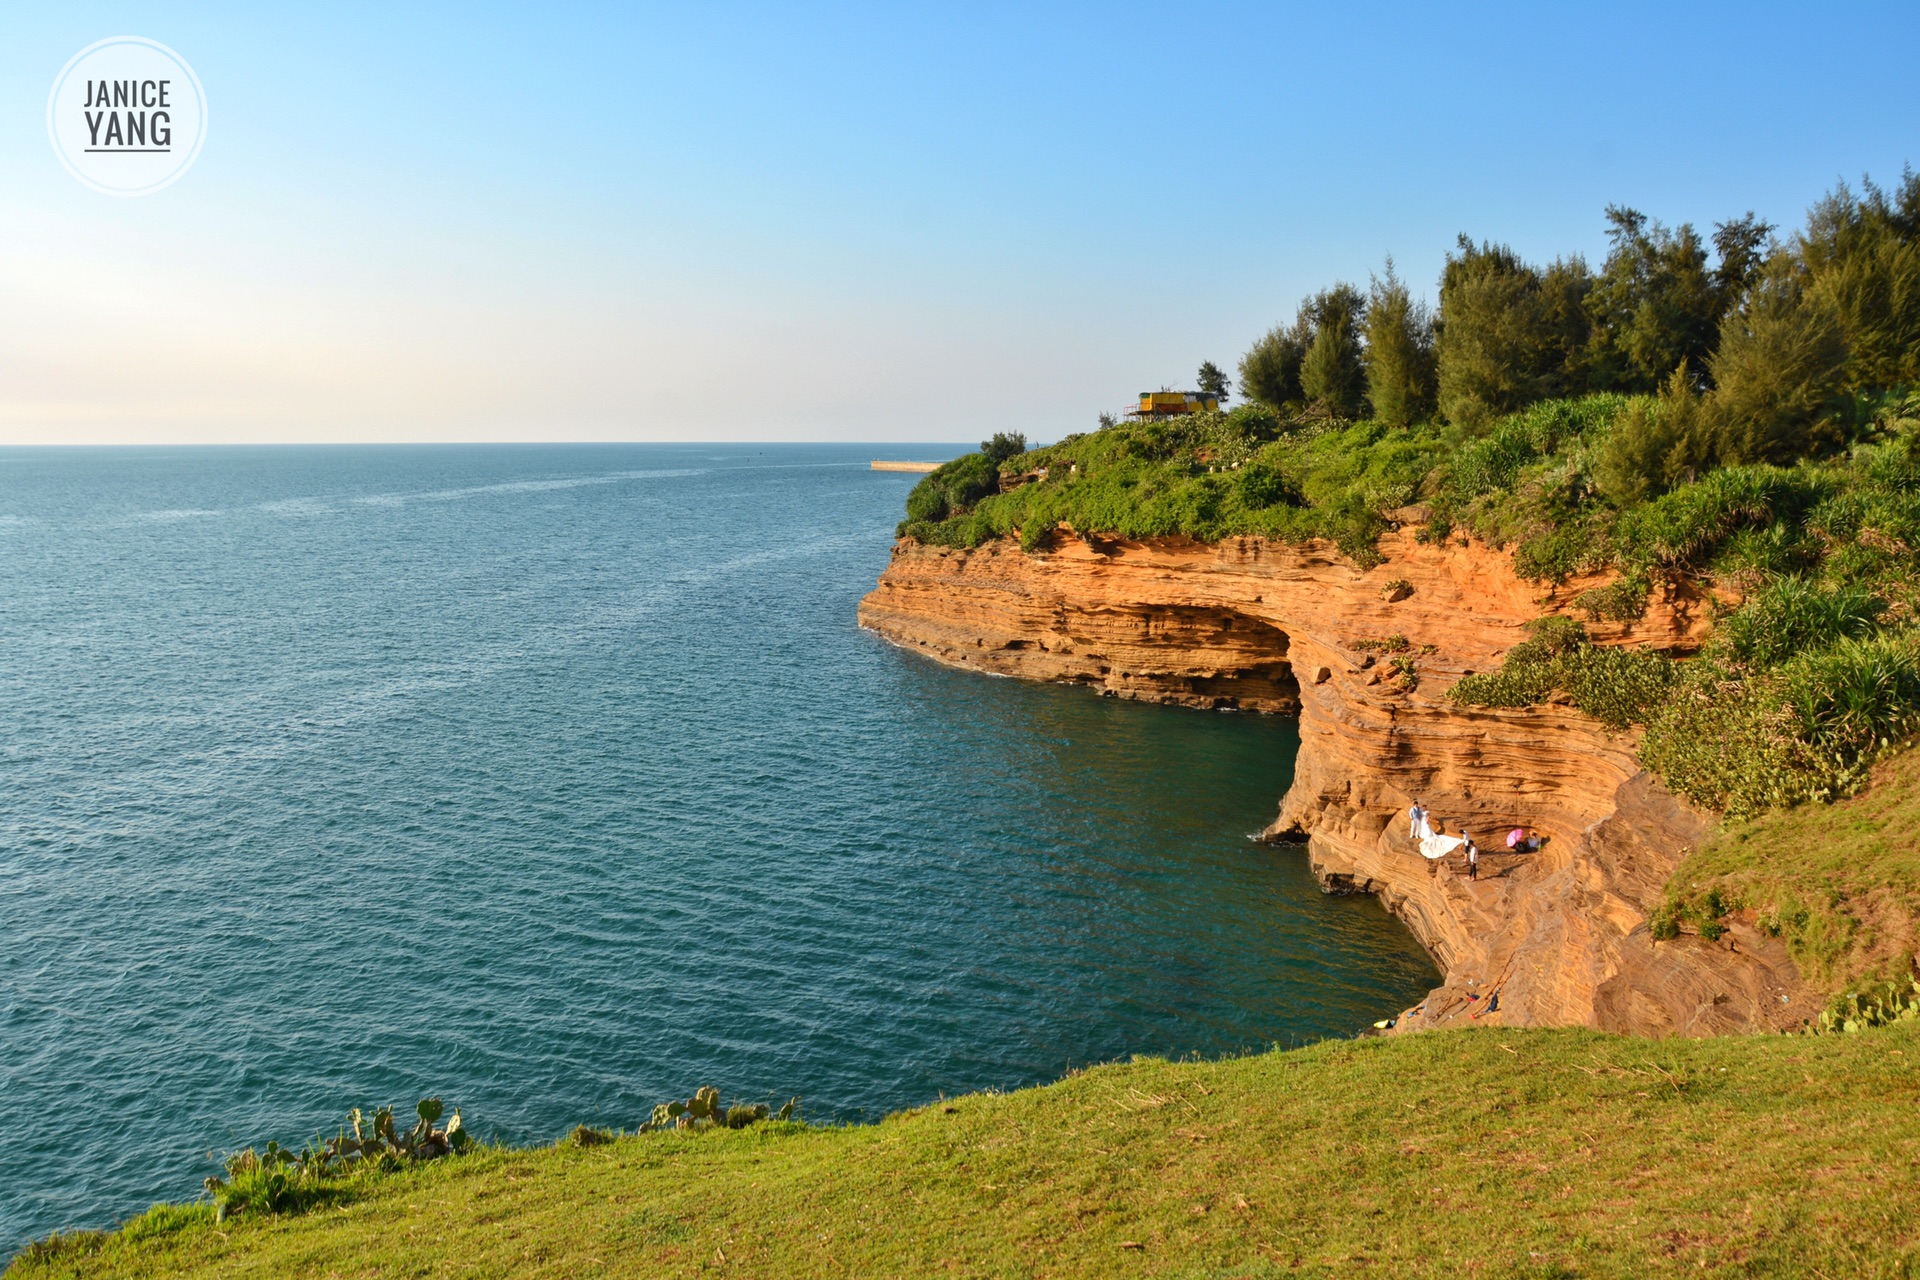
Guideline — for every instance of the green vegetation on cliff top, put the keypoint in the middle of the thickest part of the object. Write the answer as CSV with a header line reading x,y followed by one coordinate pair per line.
x,y
1475,1152
1667,364
1839,883
1743,419
1732,408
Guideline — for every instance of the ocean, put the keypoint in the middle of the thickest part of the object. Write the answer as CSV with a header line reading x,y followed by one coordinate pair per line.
x,y
558,781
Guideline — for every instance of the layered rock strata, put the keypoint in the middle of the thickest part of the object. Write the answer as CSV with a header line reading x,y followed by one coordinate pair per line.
x,y
1364,656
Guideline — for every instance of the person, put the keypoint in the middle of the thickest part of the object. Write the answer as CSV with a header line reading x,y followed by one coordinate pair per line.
x,y
1473,859
1415,816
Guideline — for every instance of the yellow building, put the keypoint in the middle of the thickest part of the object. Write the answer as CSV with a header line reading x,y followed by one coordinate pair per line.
x,y
1172,404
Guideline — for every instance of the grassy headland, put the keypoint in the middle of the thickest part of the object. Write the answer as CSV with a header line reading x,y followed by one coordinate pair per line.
x,y
1472,1152
1840,883
1743,417
1744,420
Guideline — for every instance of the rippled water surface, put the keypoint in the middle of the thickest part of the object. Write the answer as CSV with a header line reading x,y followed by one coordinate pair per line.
x,y
559,780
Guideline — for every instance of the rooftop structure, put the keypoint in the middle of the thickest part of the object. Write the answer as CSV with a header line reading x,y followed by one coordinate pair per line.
x,y
1172,404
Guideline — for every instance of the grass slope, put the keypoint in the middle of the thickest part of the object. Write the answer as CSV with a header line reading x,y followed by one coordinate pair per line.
x,y
1840,882
1476,1152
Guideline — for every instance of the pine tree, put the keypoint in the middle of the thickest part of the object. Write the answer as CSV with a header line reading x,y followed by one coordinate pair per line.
x,y
1399,353
1211,381
1270,371
1657,444
1332,374
1654,304
1781,361
1862,255
1508,333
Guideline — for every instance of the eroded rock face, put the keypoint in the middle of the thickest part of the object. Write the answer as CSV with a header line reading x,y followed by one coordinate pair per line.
x,y
1561,935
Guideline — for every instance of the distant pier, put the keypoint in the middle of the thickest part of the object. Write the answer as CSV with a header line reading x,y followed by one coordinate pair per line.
x,y
919,468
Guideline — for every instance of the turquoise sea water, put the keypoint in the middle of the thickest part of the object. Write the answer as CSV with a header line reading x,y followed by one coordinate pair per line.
x,y
559,781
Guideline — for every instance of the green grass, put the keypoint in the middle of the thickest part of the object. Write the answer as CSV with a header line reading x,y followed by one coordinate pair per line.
x,y
1209,476
1480,1152
1840,882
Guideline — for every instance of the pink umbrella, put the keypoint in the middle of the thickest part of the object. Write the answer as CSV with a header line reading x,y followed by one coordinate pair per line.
x,y
1515,836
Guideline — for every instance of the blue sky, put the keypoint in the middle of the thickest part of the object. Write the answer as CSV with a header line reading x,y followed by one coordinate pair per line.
x,y
849,222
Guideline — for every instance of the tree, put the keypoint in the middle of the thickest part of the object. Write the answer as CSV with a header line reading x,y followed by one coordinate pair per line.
x,y
1741,244
1331,372
1657,444
1654,304
1004,445
1211,381
1399,352
1508,333
1270,371
1862,255
1781,360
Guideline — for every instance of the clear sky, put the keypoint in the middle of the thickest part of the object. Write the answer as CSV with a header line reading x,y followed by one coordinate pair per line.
x,y
888,222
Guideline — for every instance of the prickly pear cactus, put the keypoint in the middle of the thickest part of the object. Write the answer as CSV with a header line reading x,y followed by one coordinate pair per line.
x,y
703,1110
275,1179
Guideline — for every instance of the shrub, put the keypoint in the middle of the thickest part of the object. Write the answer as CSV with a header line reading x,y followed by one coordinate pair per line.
x,y
1495,460
1555,634
703,1111
1878,1004
1622,601
1515,684
1656,444
1732,744
960,532
1792,616
276,1179
1003,445
956,486
1261,485
1618,687
1684,528
1857,696
1558,553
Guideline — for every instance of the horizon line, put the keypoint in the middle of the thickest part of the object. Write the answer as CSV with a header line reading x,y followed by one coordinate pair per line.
x,y
455,444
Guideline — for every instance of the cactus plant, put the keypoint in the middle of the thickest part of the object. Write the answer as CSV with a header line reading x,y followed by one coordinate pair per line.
x,y
704,1111
1878,1004
276,1179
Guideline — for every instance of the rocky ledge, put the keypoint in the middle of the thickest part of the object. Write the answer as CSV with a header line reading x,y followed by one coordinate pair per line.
x,y
1561,935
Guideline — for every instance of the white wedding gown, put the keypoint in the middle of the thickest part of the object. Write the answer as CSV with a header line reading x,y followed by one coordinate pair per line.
x,y
1435,847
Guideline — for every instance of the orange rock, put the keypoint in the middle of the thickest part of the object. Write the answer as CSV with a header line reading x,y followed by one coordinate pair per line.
x,y
1562,934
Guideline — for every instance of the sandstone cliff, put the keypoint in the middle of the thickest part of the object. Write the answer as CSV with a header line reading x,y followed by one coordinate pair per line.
x,y
1560,935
